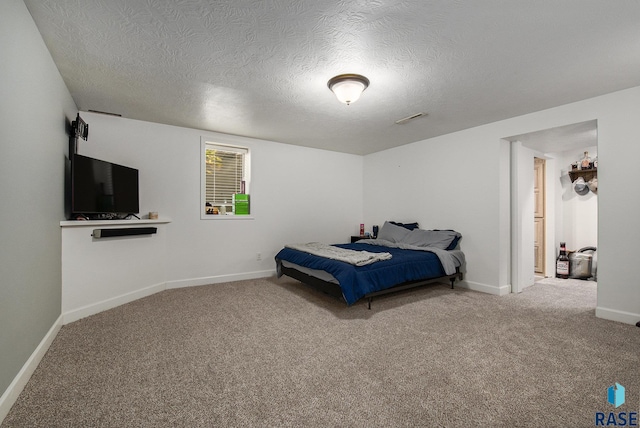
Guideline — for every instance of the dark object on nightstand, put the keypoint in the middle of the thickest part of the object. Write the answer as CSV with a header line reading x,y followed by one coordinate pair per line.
x,y
638,324
355,238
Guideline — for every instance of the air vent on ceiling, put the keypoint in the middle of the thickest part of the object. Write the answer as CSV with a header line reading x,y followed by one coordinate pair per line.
x,y
408,118
105,112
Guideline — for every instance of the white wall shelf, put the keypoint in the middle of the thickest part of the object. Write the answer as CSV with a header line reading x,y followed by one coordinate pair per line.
x,y
93,223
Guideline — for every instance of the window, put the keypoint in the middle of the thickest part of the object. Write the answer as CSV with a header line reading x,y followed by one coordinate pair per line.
x,y
225,180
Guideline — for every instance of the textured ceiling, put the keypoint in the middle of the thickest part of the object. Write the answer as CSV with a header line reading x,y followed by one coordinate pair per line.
x,y
260,68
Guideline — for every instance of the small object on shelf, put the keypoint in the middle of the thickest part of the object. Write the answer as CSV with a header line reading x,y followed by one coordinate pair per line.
x,y
361,229
585,163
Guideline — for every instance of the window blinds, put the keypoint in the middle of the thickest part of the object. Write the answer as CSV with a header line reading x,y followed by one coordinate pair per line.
x,y
225,173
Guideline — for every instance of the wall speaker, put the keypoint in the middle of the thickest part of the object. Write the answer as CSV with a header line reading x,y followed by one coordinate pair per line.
x,y
129,231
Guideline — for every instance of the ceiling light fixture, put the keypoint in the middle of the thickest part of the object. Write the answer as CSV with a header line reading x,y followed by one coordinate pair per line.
x,y
348,87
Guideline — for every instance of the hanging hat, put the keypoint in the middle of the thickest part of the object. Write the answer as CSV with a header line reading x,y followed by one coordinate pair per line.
x,y
593,185
580,186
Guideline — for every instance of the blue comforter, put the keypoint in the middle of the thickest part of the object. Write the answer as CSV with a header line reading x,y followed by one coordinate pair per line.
x,y
356,281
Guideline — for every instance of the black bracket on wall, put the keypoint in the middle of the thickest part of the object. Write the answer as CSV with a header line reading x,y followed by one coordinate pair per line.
x,y
79,129
129,231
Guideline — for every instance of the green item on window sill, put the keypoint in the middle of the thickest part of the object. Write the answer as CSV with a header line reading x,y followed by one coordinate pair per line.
x,y
241,204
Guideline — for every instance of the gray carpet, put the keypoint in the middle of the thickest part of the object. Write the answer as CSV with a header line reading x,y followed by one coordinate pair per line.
x,y
273,352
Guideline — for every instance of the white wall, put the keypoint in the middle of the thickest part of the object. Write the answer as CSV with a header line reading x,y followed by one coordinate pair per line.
x,y
448,182
35,109
456,181
579,212
297,194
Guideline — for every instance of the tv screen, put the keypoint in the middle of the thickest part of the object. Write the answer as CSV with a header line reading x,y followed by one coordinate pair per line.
x,y
99,187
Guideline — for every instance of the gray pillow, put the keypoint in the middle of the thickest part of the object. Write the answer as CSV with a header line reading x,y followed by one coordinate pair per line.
x,y
393,233
431,238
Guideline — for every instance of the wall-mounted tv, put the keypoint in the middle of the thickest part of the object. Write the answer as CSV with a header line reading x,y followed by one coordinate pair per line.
x,y
99,187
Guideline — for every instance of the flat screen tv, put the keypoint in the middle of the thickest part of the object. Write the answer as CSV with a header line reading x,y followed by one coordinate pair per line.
x,y
99,187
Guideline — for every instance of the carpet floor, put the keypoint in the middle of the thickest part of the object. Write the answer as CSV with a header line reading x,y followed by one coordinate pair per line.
x,y
273,352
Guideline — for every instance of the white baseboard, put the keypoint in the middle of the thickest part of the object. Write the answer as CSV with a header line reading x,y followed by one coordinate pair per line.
x,y
20,381
94,308
615,315
484,288
194,282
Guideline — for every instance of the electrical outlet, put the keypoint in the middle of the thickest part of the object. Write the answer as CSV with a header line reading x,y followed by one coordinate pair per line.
x,y
258,256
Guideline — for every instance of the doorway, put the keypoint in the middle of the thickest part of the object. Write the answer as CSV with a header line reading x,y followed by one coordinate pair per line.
x,y
568,216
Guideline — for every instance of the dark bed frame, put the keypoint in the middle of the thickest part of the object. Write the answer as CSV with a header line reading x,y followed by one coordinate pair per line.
x,y
335,290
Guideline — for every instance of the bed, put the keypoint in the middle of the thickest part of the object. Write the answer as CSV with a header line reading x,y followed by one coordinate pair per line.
x,y
402,256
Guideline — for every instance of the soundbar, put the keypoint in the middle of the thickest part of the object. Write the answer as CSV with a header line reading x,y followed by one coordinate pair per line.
x,y
129,231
